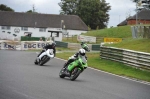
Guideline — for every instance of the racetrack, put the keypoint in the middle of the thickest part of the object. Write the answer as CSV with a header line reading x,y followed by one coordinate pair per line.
x,y
21,79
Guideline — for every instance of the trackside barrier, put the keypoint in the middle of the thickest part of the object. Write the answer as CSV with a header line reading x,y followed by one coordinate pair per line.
x,y
96,47
129,57
23,45
61,44
76,45
31,45
11,45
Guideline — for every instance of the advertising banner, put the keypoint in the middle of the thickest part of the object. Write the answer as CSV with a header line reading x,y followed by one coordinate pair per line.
x,y
113,40
27,45
83,38
23,45
7,45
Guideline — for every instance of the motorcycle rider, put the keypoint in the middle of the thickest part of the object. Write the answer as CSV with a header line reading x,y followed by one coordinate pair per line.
x,y
81,52
48,46
73,58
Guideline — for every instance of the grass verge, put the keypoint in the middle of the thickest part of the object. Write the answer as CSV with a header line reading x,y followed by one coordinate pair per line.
x,y
141,45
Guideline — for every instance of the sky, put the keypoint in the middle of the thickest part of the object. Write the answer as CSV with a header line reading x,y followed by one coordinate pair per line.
x,y
120,9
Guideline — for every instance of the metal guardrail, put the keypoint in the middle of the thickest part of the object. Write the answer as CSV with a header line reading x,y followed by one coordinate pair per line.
x,y
140,31
128,57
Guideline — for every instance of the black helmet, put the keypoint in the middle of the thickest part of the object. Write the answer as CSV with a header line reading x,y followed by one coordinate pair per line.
x,y
53,44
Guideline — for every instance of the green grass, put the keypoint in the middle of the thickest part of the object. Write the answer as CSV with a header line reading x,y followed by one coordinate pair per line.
x,y
118,32
62,49
94,61
142,45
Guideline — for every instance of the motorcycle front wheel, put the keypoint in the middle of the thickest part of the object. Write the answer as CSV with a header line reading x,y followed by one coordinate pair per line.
x,y
44,60
75,73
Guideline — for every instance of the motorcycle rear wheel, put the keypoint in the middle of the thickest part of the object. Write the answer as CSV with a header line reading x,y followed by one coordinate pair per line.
x,y
35,62
61,73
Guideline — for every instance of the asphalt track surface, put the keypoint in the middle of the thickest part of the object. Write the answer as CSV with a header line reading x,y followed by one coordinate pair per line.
x,y
21,79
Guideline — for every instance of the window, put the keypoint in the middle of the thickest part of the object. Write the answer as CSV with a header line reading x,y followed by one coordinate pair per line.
x,y
29,34
24,28
8,32
5,27
14,35
54,34
42,29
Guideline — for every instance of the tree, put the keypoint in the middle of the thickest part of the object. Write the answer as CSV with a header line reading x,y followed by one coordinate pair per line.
x,y
94,13
142,4
30,11
141,0
135,0
68,7
5,8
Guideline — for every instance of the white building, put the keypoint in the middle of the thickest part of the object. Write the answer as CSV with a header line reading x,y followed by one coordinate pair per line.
x,y
15,24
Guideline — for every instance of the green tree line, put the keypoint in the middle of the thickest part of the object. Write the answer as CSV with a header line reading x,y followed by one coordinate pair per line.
x,y
5,8
94,13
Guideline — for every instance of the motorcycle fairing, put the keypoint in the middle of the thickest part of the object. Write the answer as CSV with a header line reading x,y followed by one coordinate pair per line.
x,y
81,61
48,53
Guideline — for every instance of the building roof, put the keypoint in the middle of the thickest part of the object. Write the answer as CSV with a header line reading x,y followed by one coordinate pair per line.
x,y
72,22
142,15
122,23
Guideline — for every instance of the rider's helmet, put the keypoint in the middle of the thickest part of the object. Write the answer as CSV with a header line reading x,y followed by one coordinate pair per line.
x,y
82,52
53,44
85,46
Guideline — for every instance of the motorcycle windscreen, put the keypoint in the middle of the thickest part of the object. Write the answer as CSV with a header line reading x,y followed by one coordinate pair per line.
x,y
51,51
83,59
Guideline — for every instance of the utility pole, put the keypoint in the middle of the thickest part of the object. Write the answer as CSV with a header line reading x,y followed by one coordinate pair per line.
x,y
33,9
136,12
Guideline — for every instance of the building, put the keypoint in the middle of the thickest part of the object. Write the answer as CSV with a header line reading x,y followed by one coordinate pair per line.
x,y
142,17
16,24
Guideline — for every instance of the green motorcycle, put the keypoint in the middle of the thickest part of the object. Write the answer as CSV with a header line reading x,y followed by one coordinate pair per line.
x,y
74,68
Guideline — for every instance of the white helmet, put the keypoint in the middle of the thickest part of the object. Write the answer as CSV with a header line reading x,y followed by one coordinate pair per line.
x,y
82,52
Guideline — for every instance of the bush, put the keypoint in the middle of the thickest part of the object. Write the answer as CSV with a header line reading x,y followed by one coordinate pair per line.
x,y
26,38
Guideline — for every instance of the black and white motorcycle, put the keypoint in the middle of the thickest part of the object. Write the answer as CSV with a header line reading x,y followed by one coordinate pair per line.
x,y
44,57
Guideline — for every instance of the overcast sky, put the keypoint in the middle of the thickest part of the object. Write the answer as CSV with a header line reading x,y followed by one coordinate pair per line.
x,y
120,9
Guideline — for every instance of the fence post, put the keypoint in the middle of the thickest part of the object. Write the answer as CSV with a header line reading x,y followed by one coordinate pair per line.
x,y
133,31
149,32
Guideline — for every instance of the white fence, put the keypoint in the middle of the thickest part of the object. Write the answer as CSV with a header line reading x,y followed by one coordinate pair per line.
x,y
129,57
